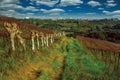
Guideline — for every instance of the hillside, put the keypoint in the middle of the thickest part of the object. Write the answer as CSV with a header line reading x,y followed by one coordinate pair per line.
x,y
24,27
96,44
65,58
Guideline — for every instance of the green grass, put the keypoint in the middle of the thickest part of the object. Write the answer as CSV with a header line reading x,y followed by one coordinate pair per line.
x,y
79,64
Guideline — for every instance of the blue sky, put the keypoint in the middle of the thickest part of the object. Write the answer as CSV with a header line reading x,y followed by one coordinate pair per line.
x,y
80,9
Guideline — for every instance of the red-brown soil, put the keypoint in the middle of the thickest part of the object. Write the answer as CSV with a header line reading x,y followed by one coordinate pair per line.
x,y
96,44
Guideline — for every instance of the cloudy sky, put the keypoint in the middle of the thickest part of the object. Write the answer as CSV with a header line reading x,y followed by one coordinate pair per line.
x,y
84,9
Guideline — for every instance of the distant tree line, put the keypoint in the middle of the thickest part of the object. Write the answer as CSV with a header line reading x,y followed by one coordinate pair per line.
x,y
105,29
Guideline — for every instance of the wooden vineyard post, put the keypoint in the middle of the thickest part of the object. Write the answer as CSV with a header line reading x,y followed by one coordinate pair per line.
x,y
21,40
38,43
51,38
46,40
42,38
12,29
33,39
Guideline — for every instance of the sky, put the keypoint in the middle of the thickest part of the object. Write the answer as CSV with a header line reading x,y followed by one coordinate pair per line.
x,y
59,9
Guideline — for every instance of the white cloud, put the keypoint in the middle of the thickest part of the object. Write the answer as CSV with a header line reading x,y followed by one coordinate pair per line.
x,y
52,12
100,8
90,13
106,12
43,10
65,3
93,3
30,8
56,10
11,13
18,7
117,12
13,5
111,3
8,8
29,13
9,1
116,16
45,2
9,4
